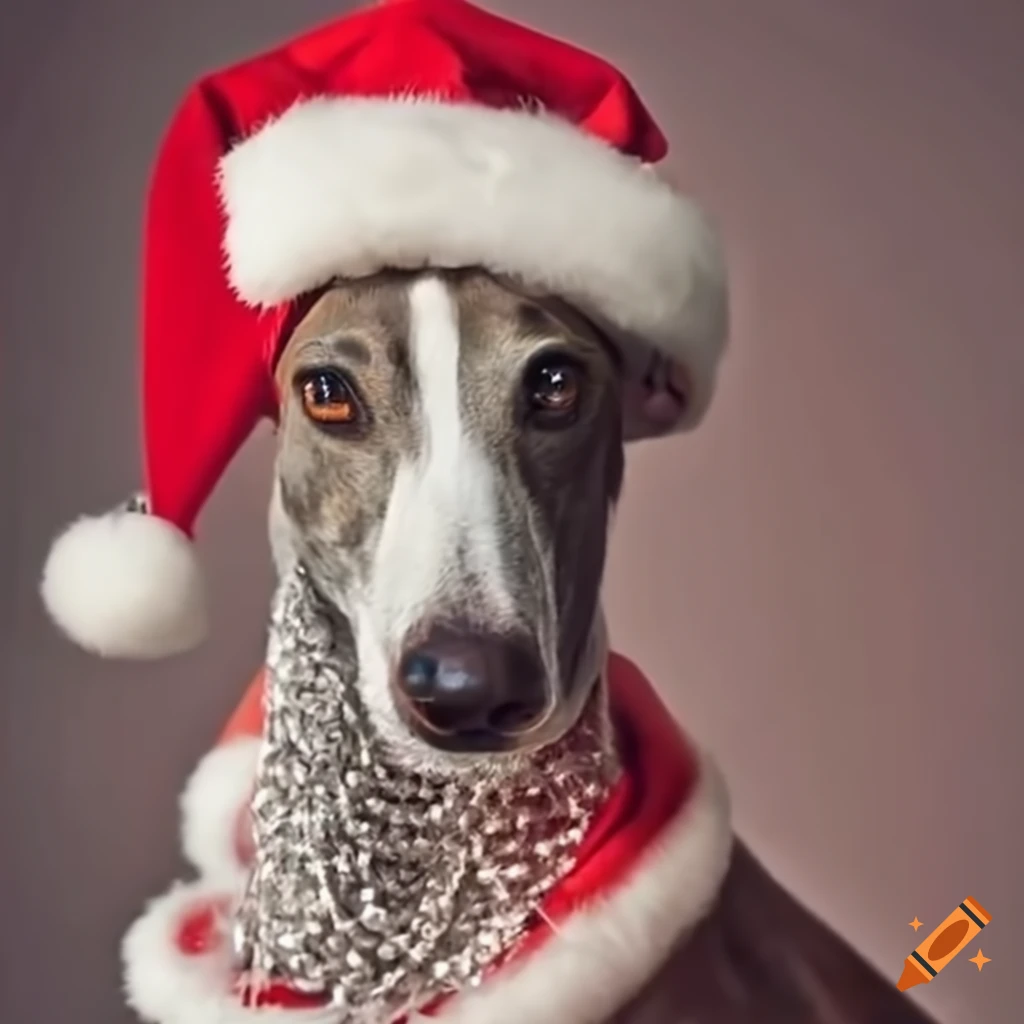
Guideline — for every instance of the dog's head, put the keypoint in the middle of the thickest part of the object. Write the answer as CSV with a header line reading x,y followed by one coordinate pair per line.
x,y
450,450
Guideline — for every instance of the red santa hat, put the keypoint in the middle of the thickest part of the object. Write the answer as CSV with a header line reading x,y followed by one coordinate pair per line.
x,y
410,134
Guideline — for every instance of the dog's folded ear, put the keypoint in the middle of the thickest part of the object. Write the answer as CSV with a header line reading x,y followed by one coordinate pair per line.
x,y
657,401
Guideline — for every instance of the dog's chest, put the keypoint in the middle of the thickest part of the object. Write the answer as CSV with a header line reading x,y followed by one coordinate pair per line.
x,y
760,957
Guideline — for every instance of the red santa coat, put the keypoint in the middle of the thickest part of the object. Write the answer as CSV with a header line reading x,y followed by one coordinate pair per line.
x,y
648,870
665,919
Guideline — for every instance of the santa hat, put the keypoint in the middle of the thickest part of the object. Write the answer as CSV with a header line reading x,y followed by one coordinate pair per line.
x,y
414,133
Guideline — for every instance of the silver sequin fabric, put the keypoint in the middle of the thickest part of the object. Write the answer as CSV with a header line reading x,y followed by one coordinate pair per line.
x,y
376,885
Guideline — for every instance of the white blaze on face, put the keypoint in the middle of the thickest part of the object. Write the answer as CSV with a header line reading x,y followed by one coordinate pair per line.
x,y
439,544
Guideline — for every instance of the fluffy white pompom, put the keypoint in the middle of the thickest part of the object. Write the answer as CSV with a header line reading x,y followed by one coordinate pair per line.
x,y
126,585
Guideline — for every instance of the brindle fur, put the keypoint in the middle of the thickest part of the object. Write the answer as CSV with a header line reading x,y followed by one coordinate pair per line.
x,y
556,488
760,957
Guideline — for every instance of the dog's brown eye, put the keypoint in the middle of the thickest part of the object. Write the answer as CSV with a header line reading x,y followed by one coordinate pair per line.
x,y
327,398
553,388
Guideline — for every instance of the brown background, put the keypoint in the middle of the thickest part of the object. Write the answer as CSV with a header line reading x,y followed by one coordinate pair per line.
x,y
826,580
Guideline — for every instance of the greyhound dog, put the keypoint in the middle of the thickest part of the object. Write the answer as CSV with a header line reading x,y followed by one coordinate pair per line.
x,y
452,512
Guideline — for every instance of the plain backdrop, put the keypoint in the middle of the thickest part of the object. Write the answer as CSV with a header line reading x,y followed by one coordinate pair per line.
x,y
825,580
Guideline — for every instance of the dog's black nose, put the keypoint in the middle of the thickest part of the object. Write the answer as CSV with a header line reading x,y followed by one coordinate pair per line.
x,y
473,688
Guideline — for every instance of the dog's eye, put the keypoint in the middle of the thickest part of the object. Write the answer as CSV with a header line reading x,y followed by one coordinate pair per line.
x,y
553,387
327,398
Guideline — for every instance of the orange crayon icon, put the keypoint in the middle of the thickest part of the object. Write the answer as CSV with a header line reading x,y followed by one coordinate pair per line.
x,y
943,944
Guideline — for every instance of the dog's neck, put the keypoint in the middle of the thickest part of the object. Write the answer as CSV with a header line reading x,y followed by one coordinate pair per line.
x,y
379,884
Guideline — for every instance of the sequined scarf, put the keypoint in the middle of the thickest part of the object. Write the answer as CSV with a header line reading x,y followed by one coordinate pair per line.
x,y
380,886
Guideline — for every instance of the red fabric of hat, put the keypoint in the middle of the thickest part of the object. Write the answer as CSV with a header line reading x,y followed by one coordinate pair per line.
x,y
413,133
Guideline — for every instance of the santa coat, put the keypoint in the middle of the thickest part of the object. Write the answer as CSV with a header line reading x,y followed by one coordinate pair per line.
x,y
665,919
647,871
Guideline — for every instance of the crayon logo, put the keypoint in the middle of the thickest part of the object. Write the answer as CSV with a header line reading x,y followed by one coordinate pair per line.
x,y
932,955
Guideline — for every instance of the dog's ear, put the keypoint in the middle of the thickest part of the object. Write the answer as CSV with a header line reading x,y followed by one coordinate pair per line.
x,y
655,401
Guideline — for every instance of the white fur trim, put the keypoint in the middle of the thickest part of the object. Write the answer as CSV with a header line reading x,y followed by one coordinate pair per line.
x,y
346,187
166,986
126,584
211,803
598,960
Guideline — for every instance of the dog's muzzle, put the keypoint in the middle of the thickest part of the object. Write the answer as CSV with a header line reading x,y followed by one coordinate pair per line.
x,y
466,691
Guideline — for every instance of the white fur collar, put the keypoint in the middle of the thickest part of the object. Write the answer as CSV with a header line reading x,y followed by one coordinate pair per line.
x,y
597,960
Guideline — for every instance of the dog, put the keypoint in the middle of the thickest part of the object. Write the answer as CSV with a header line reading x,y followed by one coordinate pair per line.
x,y
449,457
